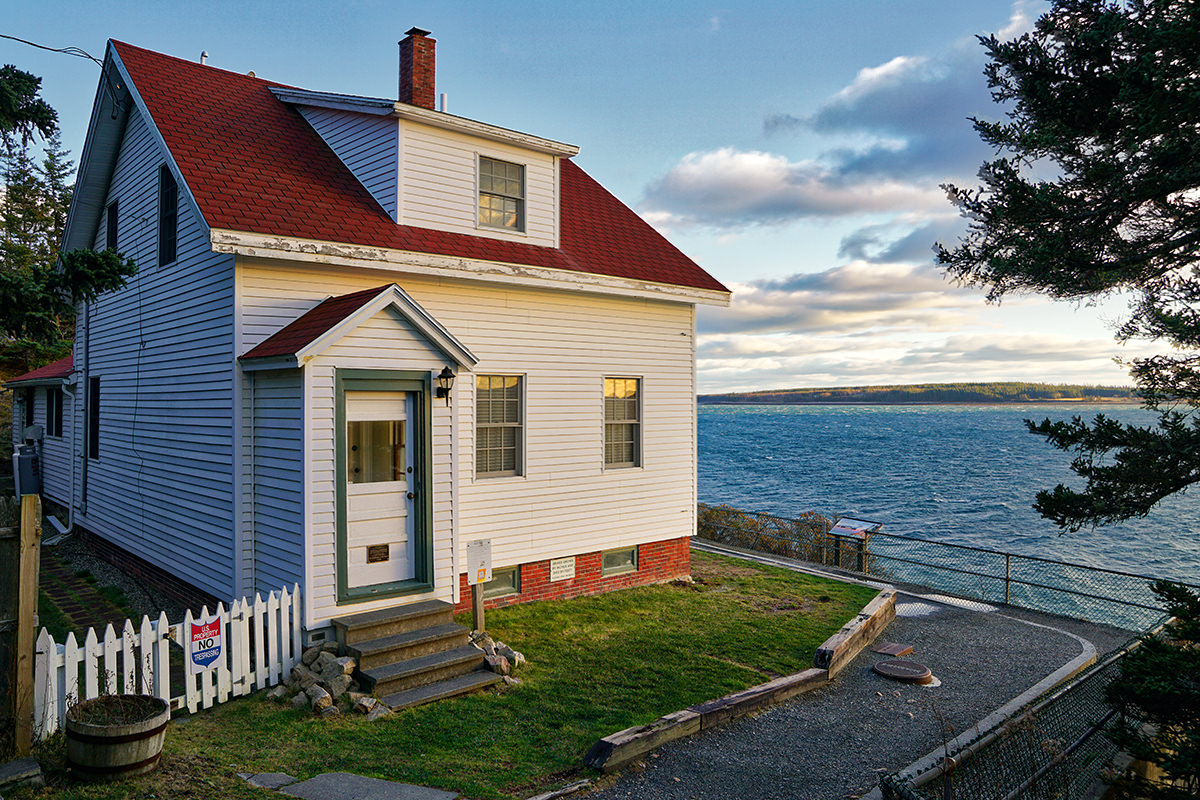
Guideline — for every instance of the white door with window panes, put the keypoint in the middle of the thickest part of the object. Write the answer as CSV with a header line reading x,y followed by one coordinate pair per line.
x,y
380,488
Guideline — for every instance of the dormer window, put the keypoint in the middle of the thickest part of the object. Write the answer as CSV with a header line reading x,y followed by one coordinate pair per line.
x,y
501,194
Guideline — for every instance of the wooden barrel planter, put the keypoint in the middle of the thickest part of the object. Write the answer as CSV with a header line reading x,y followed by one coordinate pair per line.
x,y
116,736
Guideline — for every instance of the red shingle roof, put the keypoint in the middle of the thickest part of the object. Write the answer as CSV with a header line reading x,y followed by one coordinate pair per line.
x,y
305,329
55,370
254,165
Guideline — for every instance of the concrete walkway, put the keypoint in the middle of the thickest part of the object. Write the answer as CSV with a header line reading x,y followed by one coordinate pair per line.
x,y
834,742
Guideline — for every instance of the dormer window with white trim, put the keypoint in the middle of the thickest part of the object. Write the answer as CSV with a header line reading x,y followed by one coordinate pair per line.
x,y
501,194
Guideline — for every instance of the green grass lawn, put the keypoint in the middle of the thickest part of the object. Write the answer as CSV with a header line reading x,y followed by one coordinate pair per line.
x,y
596,665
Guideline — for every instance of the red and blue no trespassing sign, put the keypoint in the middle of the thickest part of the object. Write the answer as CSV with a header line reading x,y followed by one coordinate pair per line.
x,y
206,638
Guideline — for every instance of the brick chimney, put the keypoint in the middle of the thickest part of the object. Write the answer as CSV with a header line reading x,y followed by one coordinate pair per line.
x,y
416,68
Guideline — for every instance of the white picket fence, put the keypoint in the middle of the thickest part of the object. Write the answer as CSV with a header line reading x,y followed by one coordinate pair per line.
x,y
263,643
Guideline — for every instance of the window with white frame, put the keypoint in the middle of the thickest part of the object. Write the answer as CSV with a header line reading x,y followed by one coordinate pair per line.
x,y
498,425
622,422
501,194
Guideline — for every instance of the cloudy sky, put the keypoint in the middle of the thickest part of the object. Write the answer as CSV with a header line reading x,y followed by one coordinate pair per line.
x,y
793,149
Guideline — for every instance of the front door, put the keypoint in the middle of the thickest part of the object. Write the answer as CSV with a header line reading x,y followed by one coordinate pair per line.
x,y
380,488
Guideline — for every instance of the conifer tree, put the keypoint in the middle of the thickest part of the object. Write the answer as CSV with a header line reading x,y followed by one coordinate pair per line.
x,y
1096,190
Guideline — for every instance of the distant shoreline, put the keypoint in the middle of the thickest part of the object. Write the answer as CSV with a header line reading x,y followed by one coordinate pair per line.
x,y
1097,401
931,394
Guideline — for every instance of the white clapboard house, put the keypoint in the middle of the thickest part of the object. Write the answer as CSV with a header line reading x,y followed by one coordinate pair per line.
x,y
263,404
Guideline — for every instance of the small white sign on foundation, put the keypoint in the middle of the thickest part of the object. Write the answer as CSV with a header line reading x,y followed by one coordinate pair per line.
x,y
562,569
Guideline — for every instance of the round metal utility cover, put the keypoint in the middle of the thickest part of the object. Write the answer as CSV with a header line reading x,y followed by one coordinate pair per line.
x,y
907,671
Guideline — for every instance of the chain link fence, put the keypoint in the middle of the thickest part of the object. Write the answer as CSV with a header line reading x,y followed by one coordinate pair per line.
x,y
1056,749
1105,596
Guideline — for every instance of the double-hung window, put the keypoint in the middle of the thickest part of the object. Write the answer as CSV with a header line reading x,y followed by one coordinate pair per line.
x,y
622,422
501,194
498,425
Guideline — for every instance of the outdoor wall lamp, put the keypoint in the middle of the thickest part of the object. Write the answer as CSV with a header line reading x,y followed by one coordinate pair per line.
x,y
445,380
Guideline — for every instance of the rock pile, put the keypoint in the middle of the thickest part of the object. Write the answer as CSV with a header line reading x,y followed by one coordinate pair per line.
x,y
324,682
499,657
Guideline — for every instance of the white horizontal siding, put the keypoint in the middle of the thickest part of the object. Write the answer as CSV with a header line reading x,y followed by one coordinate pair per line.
x,y
366,144
564,344
162,348
439,184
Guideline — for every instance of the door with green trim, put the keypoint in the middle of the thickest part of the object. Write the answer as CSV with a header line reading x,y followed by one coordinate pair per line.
x,y
380,488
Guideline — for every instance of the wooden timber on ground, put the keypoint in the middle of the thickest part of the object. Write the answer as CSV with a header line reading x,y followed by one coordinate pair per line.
x,y
841,648
623,747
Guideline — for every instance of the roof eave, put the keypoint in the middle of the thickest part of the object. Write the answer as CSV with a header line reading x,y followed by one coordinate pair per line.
x,y
270,362
254,245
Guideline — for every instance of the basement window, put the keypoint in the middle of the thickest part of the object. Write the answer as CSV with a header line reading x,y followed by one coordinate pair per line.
x,y
501,194
615,562
504,582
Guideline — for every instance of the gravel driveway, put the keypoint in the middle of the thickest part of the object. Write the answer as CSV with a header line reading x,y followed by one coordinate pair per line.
x,y
832,743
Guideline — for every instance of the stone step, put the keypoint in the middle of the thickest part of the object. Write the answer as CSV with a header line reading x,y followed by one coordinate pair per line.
x,y
402,646
420,671
462,684
369,625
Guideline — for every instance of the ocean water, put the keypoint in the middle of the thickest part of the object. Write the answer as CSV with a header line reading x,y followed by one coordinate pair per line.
x,y
959,474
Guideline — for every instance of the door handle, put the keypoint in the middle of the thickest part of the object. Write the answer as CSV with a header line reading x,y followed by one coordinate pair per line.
x,y
411,495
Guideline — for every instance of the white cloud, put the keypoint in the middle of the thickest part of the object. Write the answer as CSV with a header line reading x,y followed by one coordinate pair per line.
x,y
729,188
855,297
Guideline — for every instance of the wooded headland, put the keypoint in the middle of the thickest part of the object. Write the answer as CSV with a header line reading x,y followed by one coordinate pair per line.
x,y
930,393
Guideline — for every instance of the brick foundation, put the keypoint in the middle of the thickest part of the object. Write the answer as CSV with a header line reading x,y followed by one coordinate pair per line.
x,y
155,577
657,562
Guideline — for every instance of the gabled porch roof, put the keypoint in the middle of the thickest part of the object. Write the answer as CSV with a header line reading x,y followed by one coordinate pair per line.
x,y
318,328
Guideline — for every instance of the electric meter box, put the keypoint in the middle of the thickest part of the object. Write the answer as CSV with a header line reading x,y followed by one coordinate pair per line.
x,y
27,470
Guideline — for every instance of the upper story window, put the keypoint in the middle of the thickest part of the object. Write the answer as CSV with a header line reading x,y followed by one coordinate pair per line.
x,y
622,422
110,234
168,215
498,434
501,194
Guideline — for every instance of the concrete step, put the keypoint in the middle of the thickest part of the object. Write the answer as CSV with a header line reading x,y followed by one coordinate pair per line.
x,y
369,625
420,671
402,646
462,684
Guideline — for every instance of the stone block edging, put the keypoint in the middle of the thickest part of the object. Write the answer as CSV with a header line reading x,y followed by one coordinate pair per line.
x,y
623,747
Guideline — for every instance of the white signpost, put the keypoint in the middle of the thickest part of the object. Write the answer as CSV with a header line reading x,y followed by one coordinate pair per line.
x,y
479,561
479,572
206,642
